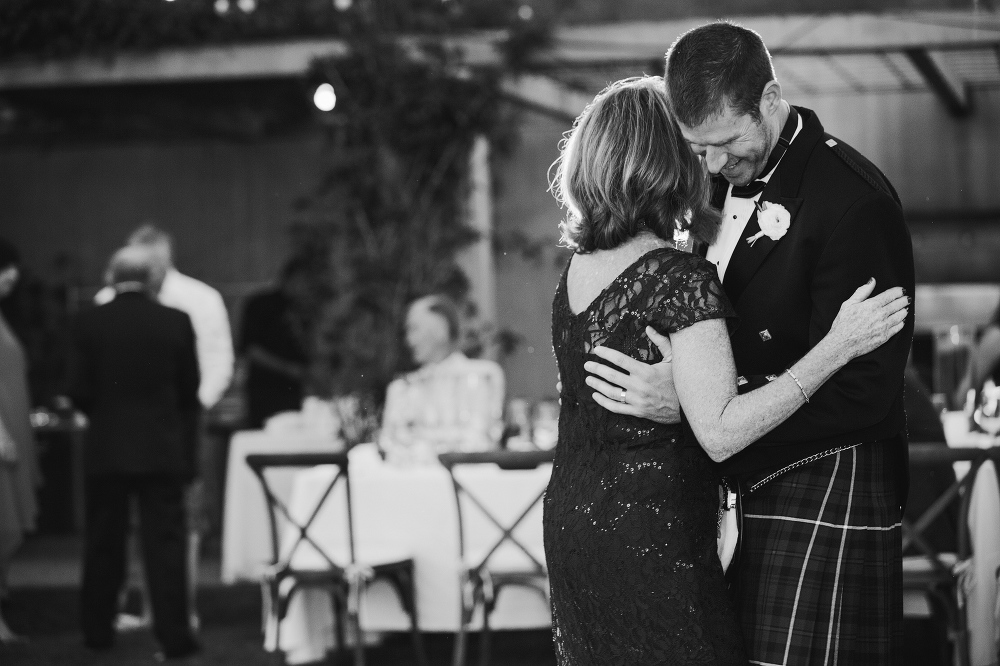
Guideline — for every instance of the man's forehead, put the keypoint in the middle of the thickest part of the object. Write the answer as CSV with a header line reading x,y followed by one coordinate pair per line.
x,y
719,127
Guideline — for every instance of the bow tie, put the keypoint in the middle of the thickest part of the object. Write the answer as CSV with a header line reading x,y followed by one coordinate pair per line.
x,y
755,187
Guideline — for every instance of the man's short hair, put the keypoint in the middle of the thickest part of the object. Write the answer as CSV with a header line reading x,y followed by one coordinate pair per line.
x,y
150,234
136,264
714,65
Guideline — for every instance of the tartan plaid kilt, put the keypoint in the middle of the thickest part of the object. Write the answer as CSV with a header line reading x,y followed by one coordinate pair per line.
x,y
820,569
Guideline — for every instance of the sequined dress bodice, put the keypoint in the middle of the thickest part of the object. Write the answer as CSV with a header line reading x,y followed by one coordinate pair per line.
x,y
630,510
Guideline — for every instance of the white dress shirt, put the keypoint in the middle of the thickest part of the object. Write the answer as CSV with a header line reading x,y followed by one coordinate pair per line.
x,y
213,341
735,214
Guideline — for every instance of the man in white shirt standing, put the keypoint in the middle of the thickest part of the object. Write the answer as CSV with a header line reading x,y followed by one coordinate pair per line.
x,y
214,347
203,304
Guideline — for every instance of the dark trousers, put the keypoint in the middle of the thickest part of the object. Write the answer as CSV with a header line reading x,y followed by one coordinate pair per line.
x,y
163,534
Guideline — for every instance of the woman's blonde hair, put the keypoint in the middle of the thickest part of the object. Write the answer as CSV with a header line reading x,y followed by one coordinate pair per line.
x,y
625,166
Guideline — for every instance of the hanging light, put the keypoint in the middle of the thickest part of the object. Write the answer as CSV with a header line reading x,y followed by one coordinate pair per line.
x,y
325,97
246,6
342,5
525,12
221,6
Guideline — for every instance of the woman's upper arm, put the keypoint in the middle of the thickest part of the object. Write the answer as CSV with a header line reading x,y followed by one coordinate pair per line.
x,y
704,373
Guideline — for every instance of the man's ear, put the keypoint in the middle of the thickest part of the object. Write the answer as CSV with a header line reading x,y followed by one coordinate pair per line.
x,y
770,99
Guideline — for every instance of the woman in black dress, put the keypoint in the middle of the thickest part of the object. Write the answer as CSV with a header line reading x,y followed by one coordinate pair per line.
x,y
630,512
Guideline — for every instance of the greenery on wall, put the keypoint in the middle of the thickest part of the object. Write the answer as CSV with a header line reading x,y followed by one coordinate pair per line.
x,y
386,219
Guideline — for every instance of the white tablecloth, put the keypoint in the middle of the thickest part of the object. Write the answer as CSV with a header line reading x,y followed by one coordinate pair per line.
x,y
246,536
404,511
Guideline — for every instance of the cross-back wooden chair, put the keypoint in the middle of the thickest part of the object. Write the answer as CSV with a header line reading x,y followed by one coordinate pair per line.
x,y
483,576
931,571
341,573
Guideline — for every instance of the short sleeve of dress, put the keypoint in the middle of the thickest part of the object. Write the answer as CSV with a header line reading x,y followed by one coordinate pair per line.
x,y
689,291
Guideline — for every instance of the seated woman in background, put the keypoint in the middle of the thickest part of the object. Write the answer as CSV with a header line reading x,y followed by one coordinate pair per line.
x,y
450,402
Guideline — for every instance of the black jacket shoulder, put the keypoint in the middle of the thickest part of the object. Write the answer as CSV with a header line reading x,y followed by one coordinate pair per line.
x,y
849,158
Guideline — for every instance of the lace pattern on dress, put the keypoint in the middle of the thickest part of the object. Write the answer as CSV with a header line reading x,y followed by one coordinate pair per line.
x,y
630,511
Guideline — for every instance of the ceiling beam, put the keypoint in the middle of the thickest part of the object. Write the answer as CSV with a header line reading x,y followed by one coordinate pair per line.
x,y
952,91
175,65
573,47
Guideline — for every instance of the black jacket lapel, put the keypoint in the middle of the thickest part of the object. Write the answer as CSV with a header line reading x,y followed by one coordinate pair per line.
x,y
782,189
720,187
747,258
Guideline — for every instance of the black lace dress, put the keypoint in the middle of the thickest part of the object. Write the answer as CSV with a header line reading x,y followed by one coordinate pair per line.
x,y
630,512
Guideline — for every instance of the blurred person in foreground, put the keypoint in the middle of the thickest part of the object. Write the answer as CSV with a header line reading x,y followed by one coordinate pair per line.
x,y
18,466
214,345
274,344
450,402
806,218
134,373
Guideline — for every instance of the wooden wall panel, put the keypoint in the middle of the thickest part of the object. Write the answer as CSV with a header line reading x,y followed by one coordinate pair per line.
x,y
936,162
228,205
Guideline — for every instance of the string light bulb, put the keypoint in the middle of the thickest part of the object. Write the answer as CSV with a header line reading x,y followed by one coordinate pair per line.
x,y
325,97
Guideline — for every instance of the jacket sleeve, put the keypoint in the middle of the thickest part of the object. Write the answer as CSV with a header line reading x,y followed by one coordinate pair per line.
x,y
188,377
187,386
80,373
871,240
214,345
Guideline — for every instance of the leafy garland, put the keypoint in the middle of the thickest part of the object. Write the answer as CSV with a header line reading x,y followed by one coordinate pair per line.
x,y
66,28
386,221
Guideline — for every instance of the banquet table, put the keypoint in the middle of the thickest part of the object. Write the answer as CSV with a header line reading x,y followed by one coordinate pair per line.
x,y
409,510
246,536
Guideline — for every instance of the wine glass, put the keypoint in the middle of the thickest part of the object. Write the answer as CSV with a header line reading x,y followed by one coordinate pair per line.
x,y
987,414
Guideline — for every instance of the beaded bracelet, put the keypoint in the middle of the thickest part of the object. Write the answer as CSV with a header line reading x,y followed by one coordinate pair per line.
x,y
797,383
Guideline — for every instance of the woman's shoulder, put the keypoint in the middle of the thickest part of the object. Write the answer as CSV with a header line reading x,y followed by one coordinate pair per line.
x,y
687,290
671,266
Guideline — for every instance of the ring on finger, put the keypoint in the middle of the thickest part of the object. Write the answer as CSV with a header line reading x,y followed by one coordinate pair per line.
x,y
623,395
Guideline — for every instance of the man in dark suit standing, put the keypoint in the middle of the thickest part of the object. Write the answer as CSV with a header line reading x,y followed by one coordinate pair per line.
x,y
135,375
806,220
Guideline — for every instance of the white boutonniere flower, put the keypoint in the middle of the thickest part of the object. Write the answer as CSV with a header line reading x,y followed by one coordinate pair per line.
x,y
774,220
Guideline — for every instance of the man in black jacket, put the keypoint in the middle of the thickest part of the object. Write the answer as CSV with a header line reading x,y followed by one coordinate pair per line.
x,y
806,221
135,375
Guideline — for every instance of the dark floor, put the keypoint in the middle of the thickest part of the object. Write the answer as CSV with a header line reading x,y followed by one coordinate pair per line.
x,y
43,608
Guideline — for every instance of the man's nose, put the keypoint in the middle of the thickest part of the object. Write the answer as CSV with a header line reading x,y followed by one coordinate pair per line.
x,y
715,159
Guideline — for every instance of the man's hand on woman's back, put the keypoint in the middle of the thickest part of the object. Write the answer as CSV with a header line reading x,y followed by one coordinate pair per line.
x,y
639,389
